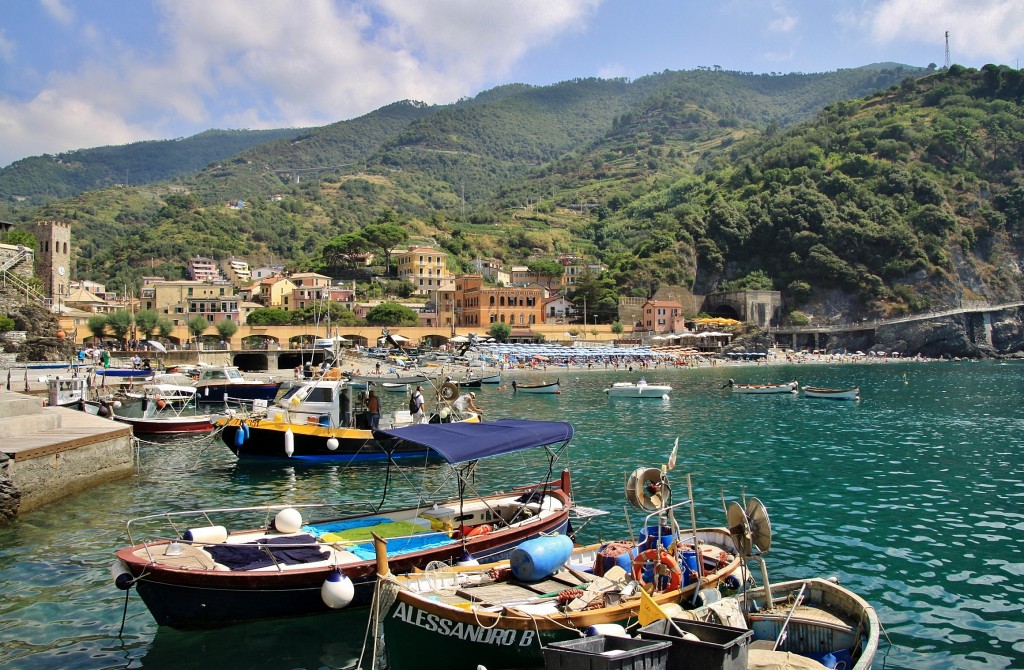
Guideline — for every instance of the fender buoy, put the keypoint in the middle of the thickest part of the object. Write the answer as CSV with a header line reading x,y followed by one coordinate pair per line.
x,y
660,566
448,391
160,403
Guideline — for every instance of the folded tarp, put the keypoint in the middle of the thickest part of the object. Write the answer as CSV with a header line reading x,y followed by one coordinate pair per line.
x,y
254,555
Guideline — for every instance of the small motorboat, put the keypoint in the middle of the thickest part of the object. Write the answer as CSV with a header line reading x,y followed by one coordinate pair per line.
x,y
543,387
852,393
641,389
491,379
66,391
394,387
788,387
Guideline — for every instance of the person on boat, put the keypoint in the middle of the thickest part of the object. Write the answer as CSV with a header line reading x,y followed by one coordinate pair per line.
x,y
417,401
464,403
373,407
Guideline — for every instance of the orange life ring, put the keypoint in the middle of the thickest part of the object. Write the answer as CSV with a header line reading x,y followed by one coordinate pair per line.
x,y
662,565
474,531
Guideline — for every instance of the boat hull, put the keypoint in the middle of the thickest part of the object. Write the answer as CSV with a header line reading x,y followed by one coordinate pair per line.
x,y
201,597
536,388
168,425
832,394
221,393
762,389
634,391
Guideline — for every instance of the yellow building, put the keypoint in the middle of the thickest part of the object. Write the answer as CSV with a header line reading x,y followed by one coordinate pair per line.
x,y
276,292
181,300
425,268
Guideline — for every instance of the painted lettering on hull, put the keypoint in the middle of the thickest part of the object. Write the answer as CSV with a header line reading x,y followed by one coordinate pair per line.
x,y
438,625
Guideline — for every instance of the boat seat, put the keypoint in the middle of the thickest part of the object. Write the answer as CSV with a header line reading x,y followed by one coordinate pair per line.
x,y
192,557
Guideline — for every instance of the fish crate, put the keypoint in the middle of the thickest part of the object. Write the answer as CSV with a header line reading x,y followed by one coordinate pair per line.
x,y
607,652
718,647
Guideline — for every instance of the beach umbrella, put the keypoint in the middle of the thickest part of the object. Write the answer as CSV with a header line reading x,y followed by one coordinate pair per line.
x,y
541,358
157,345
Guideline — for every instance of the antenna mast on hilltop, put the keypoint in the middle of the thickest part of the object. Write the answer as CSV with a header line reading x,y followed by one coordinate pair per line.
x,y
947,50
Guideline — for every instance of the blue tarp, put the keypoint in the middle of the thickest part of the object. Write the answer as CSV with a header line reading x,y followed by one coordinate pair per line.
x,y
461,442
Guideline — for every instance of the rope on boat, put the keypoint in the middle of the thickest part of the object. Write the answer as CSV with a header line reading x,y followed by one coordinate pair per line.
x,y
384,595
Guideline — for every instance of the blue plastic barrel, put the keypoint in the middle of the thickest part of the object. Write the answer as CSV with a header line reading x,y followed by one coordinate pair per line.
x,y
689,567
540,557
652,535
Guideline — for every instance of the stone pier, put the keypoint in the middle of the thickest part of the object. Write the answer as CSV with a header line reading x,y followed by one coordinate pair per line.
x,y
47,453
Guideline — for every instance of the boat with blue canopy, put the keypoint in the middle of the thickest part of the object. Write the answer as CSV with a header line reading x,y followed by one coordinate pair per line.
x,y
192,570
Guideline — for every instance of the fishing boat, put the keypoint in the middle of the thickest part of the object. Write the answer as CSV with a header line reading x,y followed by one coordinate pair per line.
x,y
852,393
788,387
641,389
66,391
324,420
171,424
501,616
192,571
816,618
543,387
393,387
491,379
226,383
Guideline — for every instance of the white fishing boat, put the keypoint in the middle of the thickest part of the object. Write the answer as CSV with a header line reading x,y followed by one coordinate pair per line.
x,y
543,387
788,387
641,389
852,393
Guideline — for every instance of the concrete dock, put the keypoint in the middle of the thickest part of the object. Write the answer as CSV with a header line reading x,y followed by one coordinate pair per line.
x,y
47,453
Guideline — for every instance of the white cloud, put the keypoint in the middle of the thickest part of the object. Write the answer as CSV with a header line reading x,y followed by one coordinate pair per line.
x,y
6,47
52,123
987,30
785,21
58,11
267,63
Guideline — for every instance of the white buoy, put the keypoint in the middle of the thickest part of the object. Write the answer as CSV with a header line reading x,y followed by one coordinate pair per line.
x,y
288,520
116,404
289,443
206,534
664,397
337,590
120,574
332,443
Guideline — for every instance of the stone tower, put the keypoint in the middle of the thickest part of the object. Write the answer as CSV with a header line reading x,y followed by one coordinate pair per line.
x,y
53,260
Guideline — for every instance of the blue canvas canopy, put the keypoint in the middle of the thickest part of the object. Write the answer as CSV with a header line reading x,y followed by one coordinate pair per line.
x,y
463,441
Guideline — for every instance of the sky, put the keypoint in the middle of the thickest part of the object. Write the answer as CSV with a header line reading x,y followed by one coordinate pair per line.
x,y
85,73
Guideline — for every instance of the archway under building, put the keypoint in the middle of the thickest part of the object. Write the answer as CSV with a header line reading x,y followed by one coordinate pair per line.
x,y
357,339
724,311
290,360
251,362
433,341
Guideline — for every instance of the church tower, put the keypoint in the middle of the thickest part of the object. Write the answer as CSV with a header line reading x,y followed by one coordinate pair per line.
x,y
53,260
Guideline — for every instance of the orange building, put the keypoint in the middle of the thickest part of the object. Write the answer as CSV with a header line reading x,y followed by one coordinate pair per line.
x,y
479,305
661,316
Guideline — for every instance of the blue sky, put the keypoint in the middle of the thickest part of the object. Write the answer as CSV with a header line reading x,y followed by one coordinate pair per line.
x,y
84,73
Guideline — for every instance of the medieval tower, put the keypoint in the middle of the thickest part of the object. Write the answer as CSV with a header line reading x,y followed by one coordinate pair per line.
x,y
53,260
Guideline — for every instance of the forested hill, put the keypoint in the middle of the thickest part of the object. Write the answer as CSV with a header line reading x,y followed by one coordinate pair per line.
x,y
39,179
911,199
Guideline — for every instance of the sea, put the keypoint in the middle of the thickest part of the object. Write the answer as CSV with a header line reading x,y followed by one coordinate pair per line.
x,y
913,497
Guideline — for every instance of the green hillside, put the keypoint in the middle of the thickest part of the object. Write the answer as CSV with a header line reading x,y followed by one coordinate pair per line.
x,y
39,179
907,198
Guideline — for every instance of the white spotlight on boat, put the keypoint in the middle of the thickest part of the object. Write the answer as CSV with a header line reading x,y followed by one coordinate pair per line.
x,y
337,590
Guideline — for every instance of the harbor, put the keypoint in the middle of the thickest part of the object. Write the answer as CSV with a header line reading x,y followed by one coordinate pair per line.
x,y
896,495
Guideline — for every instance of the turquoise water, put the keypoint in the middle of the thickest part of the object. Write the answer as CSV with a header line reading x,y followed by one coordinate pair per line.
x,y
913,497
